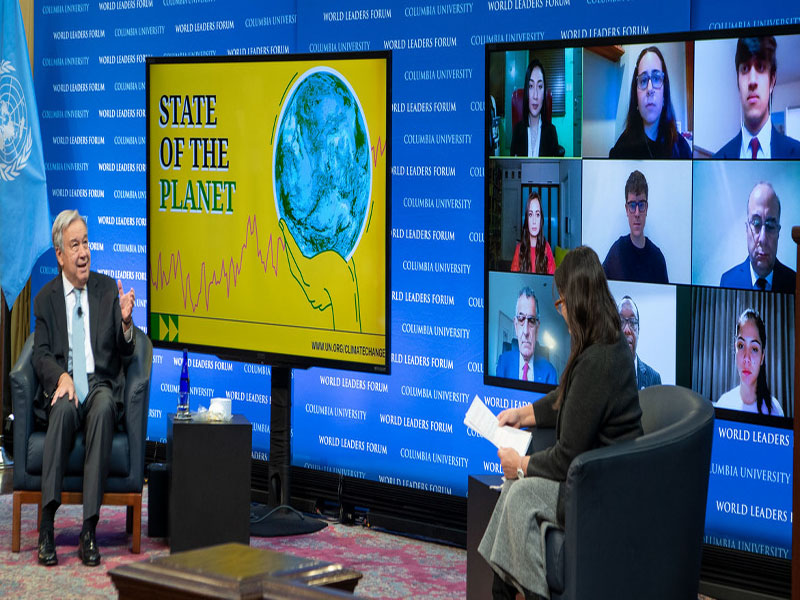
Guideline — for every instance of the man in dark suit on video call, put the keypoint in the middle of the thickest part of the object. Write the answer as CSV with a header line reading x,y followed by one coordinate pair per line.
x,y
520,363
84,328
761,270
756,69
629,317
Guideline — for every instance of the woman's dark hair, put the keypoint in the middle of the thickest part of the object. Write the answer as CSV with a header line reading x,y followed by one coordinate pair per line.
x,y
634,126
592,315
525,244
525,107
763,397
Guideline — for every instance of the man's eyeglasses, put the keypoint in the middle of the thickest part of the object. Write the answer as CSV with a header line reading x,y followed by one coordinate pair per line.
x,y
771,226
631,322
632,206
531,319
657,77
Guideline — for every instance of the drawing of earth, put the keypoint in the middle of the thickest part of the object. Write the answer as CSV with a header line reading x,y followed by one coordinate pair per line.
x,y
321,164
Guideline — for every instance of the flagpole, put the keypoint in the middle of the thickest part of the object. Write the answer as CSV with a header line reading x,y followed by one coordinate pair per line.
x,y
5,367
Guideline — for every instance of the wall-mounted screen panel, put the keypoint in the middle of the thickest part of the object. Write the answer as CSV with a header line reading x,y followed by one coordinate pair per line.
x,y
674,157
267,208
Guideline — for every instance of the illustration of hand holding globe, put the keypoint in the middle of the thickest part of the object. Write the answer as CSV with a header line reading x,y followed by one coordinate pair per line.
x,y
322,187
323,280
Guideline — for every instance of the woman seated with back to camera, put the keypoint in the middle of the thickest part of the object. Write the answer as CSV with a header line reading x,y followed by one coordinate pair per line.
x,y
650,130
752,393
596,404
534,135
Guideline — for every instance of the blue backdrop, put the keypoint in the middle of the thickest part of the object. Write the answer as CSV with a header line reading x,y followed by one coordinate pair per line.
x,y
89,71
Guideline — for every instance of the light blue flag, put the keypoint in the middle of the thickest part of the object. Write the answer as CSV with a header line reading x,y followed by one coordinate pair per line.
x,y
24,214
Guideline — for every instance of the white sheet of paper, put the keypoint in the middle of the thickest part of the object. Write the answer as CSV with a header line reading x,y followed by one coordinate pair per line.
x,y
482,420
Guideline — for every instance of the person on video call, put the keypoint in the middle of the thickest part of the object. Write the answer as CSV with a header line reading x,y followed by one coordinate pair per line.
x,y
84,329
752,393
596,404
756,69
650,130
629,317
521,364
534,135
634,257
533,253
761,270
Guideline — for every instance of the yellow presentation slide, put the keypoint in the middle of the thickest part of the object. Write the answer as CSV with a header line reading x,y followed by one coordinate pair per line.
x,y
267,206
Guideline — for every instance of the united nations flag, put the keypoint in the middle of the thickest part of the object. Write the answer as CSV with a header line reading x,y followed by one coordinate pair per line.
x,y
24,214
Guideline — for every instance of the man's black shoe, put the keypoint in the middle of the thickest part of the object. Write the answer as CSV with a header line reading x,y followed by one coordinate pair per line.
x,y
87,549
47,547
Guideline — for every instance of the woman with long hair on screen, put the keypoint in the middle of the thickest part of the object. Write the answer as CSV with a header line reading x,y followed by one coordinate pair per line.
x,y
534,135
533,253
752,393
596,404
650,129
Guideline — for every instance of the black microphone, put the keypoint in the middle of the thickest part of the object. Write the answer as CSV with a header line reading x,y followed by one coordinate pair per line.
x,y
80,311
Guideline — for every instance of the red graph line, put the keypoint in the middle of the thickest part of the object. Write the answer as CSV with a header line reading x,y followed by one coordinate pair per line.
x,y
379,147
228,273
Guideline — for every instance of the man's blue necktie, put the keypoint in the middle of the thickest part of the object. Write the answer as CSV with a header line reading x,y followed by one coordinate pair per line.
x,y
79,350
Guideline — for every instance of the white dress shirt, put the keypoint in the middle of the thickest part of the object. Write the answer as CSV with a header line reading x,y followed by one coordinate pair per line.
x,y
69,297
764,140
753,278
521,366
533,149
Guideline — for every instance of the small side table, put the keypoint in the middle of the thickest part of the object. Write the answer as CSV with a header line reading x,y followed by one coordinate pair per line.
x,y
209,482
481,499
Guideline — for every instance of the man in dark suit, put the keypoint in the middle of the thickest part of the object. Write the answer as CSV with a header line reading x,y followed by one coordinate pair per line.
x,y
520,363
761,270
629,316
83,331
756,68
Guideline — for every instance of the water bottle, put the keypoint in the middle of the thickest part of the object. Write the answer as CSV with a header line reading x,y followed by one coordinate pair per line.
x,y
183,389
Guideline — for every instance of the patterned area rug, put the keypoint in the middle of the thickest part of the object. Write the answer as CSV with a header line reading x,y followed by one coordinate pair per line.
x,y
393,566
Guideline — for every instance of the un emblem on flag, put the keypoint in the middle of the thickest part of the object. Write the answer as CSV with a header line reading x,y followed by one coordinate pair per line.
x,y
16,138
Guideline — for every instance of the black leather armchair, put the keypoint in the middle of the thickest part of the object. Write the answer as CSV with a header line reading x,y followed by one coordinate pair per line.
x,y
635,511
126,471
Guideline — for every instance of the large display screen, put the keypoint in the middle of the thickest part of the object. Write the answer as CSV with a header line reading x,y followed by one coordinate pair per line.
x,y
641,149
267,185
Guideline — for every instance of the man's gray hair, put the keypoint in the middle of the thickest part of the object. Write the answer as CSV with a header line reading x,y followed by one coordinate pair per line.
x,y
63,220
527,292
